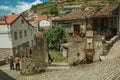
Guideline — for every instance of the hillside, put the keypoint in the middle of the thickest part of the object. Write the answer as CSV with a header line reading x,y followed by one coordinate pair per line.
x,y
44,8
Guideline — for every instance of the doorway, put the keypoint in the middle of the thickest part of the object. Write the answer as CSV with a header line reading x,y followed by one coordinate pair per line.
x,y
76,30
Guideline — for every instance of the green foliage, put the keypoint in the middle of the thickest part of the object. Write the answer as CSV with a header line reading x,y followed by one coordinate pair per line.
x,y
41,29
54,7
70,0
55,35
112,1
56,56
86,1
34,7
54,10
45,13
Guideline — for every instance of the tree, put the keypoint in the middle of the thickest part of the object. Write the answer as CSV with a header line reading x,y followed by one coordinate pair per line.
x,y
70,0
55,35
112,1
54,10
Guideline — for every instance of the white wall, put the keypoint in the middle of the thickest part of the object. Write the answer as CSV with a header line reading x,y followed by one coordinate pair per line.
x,y
44,23
17,27
5,38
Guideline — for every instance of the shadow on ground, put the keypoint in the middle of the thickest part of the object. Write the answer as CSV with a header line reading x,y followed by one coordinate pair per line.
x,y
4,76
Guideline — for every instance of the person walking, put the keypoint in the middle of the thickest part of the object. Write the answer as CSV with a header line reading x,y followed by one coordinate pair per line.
x,y
17,62
11,61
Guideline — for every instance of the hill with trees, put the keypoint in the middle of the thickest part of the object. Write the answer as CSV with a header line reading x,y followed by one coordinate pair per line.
x,y
53,7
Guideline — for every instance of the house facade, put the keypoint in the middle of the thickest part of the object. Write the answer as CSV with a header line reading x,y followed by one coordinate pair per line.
x,y
15,33
41,21
76,22
104,21
45,24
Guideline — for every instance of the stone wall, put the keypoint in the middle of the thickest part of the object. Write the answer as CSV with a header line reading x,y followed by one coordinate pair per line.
x,y
76,51
5,52
98,48
35,60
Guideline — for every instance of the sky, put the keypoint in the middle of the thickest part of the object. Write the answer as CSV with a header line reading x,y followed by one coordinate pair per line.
x,y
17,6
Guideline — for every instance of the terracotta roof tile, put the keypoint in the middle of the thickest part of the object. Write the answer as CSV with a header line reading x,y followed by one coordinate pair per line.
x,y
41,17
9,19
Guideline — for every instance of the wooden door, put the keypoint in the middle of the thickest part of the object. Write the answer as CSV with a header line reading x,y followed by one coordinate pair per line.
x,y
76,30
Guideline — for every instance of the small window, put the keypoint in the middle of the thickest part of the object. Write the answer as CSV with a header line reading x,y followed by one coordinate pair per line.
x,y
22,21
20,34
15,35
25,32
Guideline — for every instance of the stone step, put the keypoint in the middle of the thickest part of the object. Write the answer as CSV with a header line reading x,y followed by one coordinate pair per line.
x,y
59,64
57,67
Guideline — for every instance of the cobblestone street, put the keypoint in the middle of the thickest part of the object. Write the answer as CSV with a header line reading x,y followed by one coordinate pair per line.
x,y
104,70
107,70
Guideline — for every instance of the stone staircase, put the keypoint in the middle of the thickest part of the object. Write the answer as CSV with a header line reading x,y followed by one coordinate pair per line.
x,y
113,53
57,66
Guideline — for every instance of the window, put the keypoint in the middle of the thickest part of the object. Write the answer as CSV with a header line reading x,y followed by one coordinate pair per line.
x,y
20,34
22,21
25,32
30,31
15,35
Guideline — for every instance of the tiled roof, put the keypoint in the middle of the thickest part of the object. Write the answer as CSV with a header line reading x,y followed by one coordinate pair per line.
x,y
41,17
9,19
106,10
79,14
89,13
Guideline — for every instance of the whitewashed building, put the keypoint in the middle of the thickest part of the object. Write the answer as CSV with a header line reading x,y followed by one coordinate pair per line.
x,y
45,24
15,34
41,21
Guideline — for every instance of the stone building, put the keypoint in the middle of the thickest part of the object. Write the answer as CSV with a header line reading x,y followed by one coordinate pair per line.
x,y
41,21
104,21
15,34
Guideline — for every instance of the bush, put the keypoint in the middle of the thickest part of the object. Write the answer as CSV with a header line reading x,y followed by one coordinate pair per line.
x,y
54,35
54,11
56,56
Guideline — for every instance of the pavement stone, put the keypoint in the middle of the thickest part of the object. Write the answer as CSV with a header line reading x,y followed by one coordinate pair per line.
x,y
104,70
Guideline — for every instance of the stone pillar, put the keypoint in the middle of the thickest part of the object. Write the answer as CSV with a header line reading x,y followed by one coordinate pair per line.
x,y
65,52
98,48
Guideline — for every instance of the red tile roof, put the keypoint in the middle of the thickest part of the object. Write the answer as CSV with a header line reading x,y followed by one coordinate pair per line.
x,y
9,19
41,17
